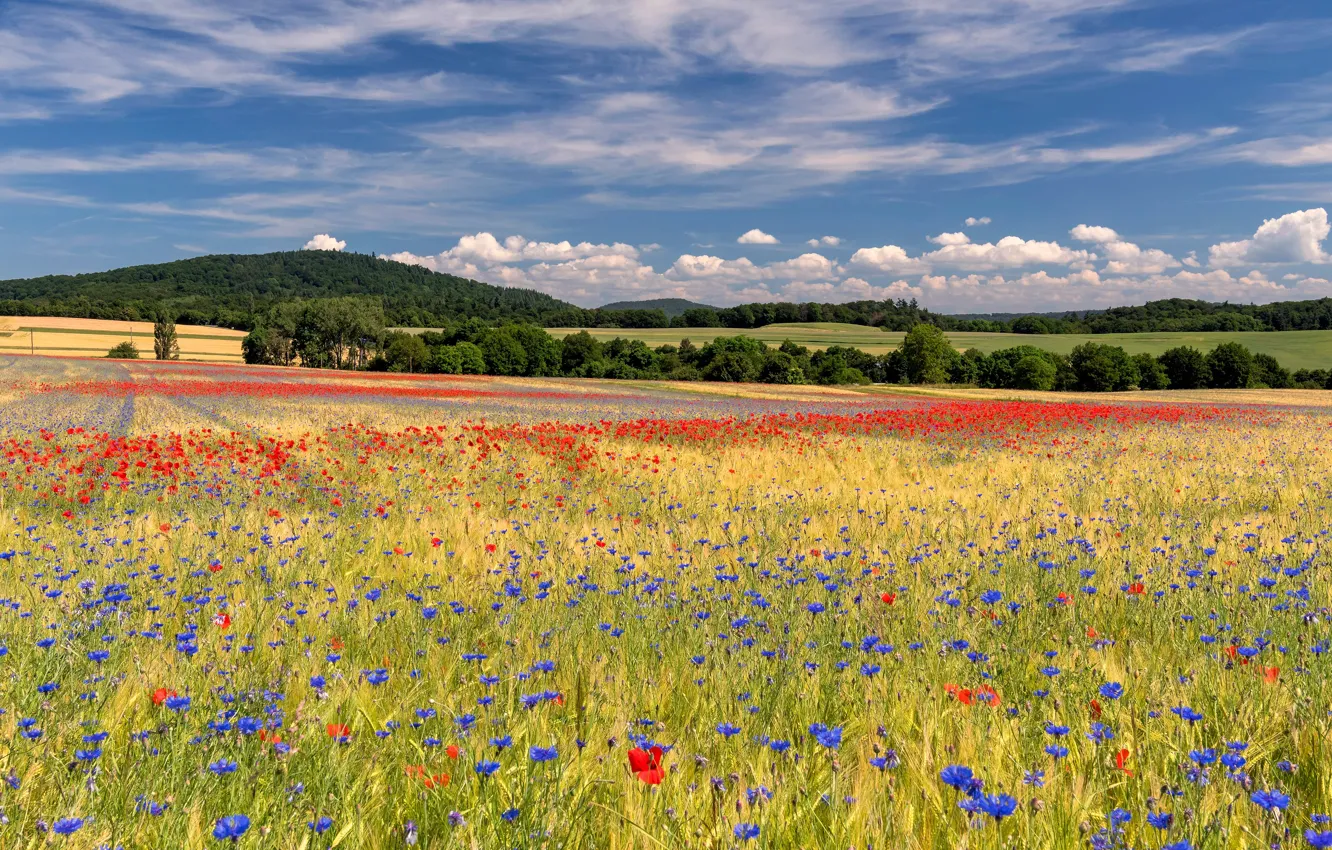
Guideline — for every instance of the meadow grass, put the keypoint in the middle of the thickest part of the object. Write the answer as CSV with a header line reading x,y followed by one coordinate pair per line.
x,y
637,567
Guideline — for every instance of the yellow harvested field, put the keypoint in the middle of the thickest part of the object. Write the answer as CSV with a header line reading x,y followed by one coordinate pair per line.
x,y
94,337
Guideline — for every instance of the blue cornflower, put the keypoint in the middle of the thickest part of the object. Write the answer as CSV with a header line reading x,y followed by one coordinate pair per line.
x,y
727,729
958,776
1187,713
540,754
1182,844
509,815
222,767
1160,820
321,826
376,677
1057,750
485,768
746,831
990,597
830,738
1112,690
1268,799
177,703
1318,840
231,827
997,806
67,826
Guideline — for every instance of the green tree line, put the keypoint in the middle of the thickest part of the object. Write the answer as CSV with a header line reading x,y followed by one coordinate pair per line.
x,y
333,334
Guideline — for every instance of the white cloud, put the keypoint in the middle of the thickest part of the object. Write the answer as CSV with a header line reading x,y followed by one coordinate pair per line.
x,y
887,259
1009,252
950,239
757,237
705,266
1090,233
1294,152
1124,257
829,241
805,267
1293,238
324,242
972,221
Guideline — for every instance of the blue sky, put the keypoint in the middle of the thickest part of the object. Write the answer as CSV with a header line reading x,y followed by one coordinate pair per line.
x,y
974,155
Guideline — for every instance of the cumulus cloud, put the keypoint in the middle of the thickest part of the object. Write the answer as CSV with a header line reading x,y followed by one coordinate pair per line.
x,y
1091,233
1009,252
972,221
950,239
324,242
757,237
829,241
1293,238
705,266
1123,257
888,259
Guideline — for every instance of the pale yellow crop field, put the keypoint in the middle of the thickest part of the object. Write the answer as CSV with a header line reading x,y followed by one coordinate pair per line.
x,y
94,337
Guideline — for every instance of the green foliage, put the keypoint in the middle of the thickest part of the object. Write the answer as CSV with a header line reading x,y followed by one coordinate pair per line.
x,y
471,360
1103,368
1034,373
929,355
1186,368
406,353
1230,365
165,345
235,290
126,350
1268,372
1151,374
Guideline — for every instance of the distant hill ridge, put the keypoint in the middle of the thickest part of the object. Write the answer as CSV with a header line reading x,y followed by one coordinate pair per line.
x,y
672,307
233,290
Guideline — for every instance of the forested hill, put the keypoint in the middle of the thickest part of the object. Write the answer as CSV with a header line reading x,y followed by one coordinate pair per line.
x,y
232,289
672,307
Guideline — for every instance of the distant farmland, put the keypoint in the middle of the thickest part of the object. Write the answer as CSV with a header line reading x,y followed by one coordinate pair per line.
x,y
1294,349
94,337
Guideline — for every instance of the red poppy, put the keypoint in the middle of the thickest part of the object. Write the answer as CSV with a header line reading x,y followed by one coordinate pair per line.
x,y
1094,708
161,695
646,765
1136,589
1121,759
340,731
1271,674
1092,633
222,620
889,598
269,737
452,751
164,527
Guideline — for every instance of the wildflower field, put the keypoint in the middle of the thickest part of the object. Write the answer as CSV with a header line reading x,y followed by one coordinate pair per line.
x,y
277,608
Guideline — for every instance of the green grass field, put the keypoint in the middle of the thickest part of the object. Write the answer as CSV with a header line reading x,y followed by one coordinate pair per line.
x,y
1294,349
